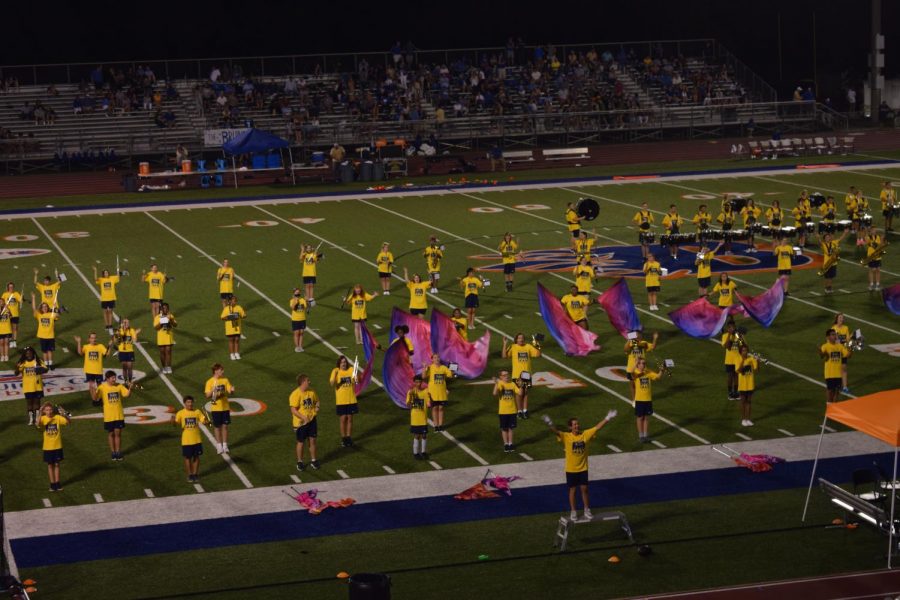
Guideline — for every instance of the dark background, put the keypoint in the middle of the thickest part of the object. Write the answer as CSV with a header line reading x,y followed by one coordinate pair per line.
x,y
97,31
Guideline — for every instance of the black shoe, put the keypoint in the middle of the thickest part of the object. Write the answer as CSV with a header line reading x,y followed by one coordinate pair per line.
x,y
301,466
507,448
349,442
113,456
424,456
525,415
315,465
512,447
417,456
120,457
343,442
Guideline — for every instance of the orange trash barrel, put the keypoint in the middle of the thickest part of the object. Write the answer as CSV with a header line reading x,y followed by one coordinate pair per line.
x,y
144,168
186,166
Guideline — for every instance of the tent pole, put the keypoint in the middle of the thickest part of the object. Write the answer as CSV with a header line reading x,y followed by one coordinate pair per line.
x,y
812,476
893,500
234,170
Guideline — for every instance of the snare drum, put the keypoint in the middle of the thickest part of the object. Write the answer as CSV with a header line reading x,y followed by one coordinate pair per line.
x,y
810,227
827,227
767,231
866,220
715,234
755,228
664,239
738,234
646,237
844,224
788,232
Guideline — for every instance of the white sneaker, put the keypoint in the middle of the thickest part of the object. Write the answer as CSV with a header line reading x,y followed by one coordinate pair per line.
x,y
471,327
220,450
231,356
225,449
434,290
743,422
298,349
31,421
588,515
749,423
237,356
12,344
573,516
387,292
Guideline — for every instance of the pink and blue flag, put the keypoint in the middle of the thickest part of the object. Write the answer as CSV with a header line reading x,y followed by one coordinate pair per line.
x,y
452,348
619,307
574,340
700,319
766,306
397,373
891,297
419,334
369,346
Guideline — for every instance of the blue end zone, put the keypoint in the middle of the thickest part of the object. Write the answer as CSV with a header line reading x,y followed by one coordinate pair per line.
x,y
274,527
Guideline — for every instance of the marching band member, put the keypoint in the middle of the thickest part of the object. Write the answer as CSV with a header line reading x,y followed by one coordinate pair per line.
x,y
107,285
309,258
5,330
459,323
584,245
304,404
573,222
726,220
111,395
584,276
225,277
643,396
124,338
93,354
834,354
831,250
852,203
643,219
13,300
637,348
802,215
507,392
48,290
385,262
418,297
509,253
358,300
164,323
843,337
521,353
437,376
31,369
233,315
400,332
746,367
299,310
156,286
433,254
702,220
471,285
418,401
750,214
217,390
888,197
190,419
51,422
343,381
784,253
725,288
774,215
828,210
731,342
704,266
46,329
672,223
576,305
652,272
874,251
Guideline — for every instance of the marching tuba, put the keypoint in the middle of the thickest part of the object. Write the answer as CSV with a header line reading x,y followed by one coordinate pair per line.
x,y
829,262
879,251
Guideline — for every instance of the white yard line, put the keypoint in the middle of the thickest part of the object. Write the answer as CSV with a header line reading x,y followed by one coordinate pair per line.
x,y
525,456
614,448
98,498
149,493
199,488
168,383
343,474
743,436
435,466
388,470
786,432
295,479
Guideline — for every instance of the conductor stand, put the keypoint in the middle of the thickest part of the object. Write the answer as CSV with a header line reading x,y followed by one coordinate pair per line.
x,y
566,526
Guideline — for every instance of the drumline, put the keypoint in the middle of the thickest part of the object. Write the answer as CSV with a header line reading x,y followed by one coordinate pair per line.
x,y
756,229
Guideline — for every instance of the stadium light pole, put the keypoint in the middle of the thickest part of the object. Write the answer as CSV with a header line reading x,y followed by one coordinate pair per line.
x,y
876,62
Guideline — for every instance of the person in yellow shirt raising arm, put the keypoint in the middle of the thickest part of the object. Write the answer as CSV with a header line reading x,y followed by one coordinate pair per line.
x,y
93,354
643,396
385,262
471,286
433,254
225,277
437,375
636,347
110,395
576,305
190,419
418,401
107,284
165,325
299,310
46,329
124,338
418,297
309,258
51,422
343,380
13,301
48,290
521,353
217,390
509,253
746,367
834,354
704,266
575,444
506,392
652,274
233,314
358,300
304,404
584,275
5,330
156,287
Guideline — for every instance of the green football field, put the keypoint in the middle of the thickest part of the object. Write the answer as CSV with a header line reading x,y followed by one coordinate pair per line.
x,y
262,242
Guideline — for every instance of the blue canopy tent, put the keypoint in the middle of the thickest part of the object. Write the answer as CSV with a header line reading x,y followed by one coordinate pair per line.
x,y
254,141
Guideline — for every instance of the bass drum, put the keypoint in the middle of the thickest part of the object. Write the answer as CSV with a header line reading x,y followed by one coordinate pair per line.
x,y
587,209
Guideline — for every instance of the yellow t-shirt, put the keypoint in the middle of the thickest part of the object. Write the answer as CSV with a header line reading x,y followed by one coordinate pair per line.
x,y
726,293
127,336
785,254
521,355
702,218
576,305
433,256
726,218
407,341
385,261
52,428
461,324
358,306
572,221
801,213
298,309
642,388
5,322
31,380
306,403
775,216
652,273
635,350
233,324
836,353
309,260
190,421
843,333
112,396
508,393
93,358
887,196
851,202
872,242
508,251
584,278
47,292
704,266
418,401
471,285
643,219
13,302
828,211
226,280
672,223
165,335
829,248
219,388
156,285
342,382
576,447
107,287
417,294
46,325
583,247
731,345
751,215
438,376
745,369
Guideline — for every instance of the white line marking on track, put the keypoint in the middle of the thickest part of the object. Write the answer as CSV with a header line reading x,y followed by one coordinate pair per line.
x,y
525,456
178,255
744,437
342,474
64,349
614,448
259,251
389,470
658,444
199,488
436,466
276,334
786,432
814,293
342,328
46,502
149,493
206,339
360,244
295,479
411,242
98,498
232,252
377,326
508,316
284,249
844,291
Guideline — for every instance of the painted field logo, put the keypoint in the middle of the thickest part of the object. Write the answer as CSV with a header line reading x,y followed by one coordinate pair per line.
x,y
20,252
159,414
626,261
57,381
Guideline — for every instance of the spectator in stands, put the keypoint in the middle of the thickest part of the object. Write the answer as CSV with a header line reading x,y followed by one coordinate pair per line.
x,y
337,154
851,99
181,153
397,53
215,74
496,156
52,91
26,113
77,105
171,92
798,94
808,95
97,77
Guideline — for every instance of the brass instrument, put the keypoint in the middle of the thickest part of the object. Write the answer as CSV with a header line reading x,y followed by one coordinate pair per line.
x,y
879,251
536,339
830,261
665,367
856,342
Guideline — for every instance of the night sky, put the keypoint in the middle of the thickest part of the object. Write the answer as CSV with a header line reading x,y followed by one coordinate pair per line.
x,y
82,32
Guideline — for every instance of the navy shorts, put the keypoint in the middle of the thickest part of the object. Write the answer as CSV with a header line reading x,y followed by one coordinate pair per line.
x,y
643,408
875,264
226,295
48,345
576,233
384,275
5,336
220,417
358,320
88,378
703,282
346,409
14,320
507,421
110,304
298,325
113,425
309,280
834,384
310,430
233,336
472,301
509,268
579,478
418,311
34,395
51,457
192,450
652,288
831,273
155,300
729,368
438,402
126,356
419,430
784,272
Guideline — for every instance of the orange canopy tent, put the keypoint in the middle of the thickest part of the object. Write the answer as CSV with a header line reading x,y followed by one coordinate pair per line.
x,y
877,415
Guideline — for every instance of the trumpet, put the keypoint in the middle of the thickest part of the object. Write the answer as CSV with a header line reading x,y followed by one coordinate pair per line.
x,y
536,339
830,261
759,358
877,253
856,342
665,367
61,411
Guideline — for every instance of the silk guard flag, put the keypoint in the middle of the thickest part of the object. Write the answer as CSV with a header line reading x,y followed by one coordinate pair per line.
x,y
700,319
419,334
619,307
397,374
451,347
369,346
574,340
891,298
766,306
